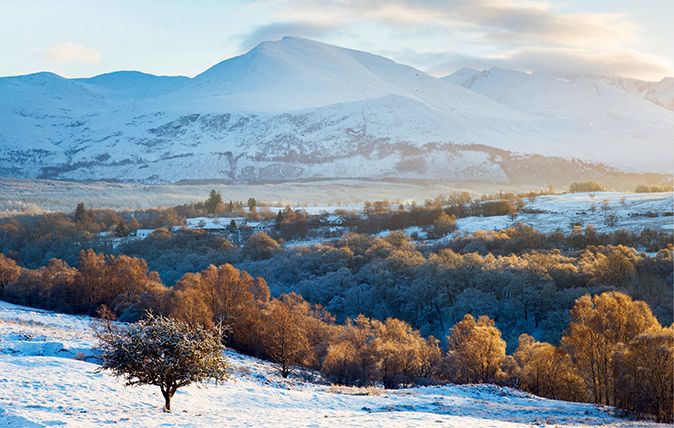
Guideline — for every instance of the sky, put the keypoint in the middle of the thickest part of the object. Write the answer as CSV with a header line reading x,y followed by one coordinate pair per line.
x,y
81,38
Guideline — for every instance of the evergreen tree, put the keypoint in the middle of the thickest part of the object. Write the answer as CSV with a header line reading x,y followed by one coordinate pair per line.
x,y
121,229
252,204
81,213
214,203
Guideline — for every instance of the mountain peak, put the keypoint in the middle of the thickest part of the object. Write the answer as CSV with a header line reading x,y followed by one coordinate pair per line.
x,y
296,73
465,76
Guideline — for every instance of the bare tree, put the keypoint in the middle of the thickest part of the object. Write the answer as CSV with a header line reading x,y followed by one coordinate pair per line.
x,y
164,352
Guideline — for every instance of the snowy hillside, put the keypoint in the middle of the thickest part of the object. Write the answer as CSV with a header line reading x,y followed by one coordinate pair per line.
x,y
44,385
631,211
660,93
628,123
298,109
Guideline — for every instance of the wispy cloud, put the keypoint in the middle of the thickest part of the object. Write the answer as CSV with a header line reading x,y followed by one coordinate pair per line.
x,y
559,61
494,19
276,30
586,62
69,52
536,35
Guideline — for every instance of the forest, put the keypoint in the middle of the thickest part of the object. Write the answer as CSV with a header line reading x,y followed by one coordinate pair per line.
x,y
582,316
613,351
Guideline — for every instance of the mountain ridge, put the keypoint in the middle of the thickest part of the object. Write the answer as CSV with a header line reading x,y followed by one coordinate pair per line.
x,y
299,109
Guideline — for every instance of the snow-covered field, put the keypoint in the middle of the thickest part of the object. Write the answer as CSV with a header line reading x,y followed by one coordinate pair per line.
x,y
43,385
34,196
632,211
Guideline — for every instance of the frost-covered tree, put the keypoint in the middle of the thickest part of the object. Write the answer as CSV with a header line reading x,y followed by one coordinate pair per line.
x,y
260,246
163,352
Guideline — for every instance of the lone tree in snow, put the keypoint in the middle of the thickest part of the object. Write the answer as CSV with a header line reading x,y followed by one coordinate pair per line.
x,y
163,352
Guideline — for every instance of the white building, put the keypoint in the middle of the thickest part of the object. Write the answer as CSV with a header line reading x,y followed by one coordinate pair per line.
x,y
143,233
259,226
213,224
336,220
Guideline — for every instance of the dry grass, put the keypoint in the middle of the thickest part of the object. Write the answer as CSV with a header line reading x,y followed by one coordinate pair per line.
x,y
354,390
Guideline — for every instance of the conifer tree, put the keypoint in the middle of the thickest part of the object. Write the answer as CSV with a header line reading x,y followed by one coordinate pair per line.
x,y
214,204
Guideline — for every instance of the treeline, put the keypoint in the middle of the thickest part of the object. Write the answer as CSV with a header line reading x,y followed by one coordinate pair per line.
x,y
643,188
525,280
520,237
587,186
528,291
122,283
440,213
613,352
215,205
503,274
35,239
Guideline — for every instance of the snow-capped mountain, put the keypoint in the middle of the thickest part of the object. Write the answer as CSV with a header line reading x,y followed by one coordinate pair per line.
x,y
623,124
297,108
660,93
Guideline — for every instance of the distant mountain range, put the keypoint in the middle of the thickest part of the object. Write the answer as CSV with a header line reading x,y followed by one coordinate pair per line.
x,y
297,109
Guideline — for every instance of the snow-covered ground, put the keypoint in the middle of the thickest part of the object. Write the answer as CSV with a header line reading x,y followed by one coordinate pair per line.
x,y
42,385
35,196
633,211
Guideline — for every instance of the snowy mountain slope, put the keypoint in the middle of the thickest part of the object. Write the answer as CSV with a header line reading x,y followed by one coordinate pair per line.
x,y
43,385
296,108
626,124
295,73
660,93
123,85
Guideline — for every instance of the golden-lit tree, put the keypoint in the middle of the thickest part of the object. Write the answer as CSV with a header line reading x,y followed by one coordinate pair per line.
x,y
476,351
283,335
222,296
399,351
545,370
9,272
599,325
351,357
644,374
260,246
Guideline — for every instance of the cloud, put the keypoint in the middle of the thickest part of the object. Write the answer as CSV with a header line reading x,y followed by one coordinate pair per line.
x,y
277,30
501,20
534,35
558,61
586,62
69,52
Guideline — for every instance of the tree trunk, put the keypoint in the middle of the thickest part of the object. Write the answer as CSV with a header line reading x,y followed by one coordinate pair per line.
x,y
167,401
